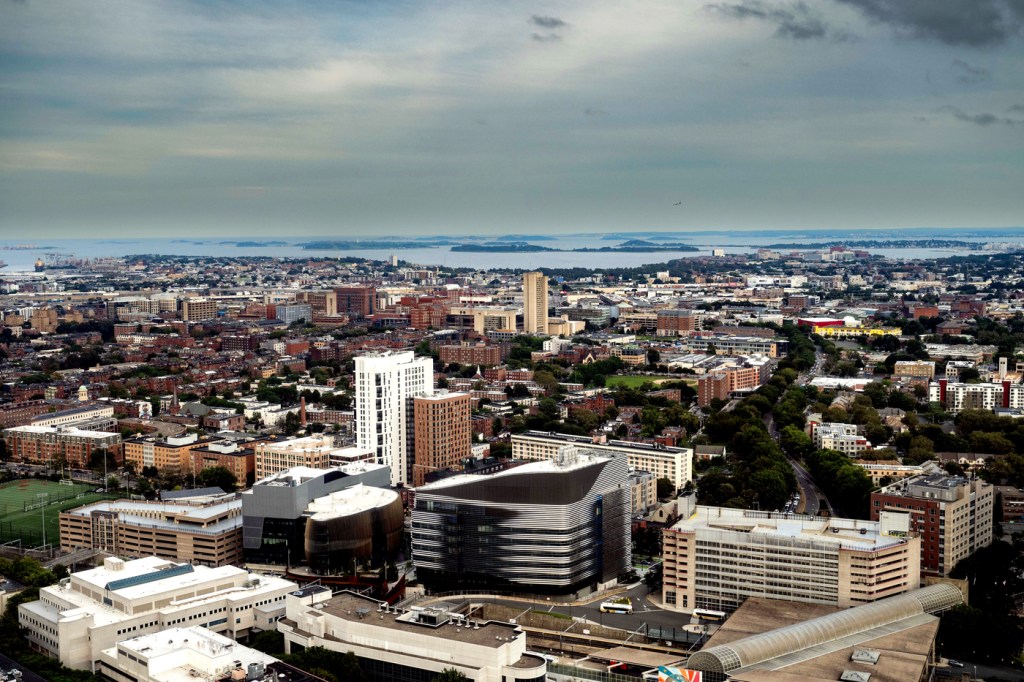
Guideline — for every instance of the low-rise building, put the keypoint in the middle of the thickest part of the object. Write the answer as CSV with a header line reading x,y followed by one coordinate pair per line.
x,y
675,464
77,619
170,455
209,534
393,643
60,445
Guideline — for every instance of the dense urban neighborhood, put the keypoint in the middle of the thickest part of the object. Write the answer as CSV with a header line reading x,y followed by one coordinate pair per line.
x,y
792,463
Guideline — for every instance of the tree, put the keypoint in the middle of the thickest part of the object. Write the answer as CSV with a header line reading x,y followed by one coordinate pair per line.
x,y
449,675
217,477
292,423
665,487
653,356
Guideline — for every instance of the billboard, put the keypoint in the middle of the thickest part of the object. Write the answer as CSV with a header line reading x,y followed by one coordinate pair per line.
x,y
666,674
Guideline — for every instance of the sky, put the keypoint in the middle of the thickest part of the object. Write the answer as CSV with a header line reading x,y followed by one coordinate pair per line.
x,y
376,119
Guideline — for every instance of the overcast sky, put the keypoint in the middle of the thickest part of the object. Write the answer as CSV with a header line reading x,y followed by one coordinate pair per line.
x,y
370,119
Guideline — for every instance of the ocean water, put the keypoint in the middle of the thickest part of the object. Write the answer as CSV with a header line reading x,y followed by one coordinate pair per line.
x,y
21,260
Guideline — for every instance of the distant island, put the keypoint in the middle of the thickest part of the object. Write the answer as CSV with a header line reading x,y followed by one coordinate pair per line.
x,y
631,246
879,244
250,245
525,238
356,244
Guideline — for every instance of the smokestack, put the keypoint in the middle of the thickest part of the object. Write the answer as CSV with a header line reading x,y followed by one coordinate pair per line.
x,y
302,412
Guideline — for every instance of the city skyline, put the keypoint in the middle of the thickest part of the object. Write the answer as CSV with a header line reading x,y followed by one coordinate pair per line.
x,y
362,120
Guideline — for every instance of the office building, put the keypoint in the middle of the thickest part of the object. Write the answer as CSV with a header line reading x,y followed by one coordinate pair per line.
x,y
736,345
75,620
715,558
60,446
290,313
321,302
385,386
535,303
209,534
443,433
274,525
675,464
309,451
198,309
415,645
559,525
953,515
358,301
914,368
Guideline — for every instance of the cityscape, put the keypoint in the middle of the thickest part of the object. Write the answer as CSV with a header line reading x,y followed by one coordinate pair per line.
x,y
486,341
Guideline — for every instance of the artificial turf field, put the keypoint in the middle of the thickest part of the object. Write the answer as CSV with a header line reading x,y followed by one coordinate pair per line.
x,y
22,517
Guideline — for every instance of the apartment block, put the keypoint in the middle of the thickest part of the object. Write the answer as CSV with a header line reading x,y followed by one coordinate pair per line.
x,y
173,454
470,354
442,432
75,620
59,445
722,384
914,368
839,437
953,515
715,558
956,396
240,461
209,534
675,464
535,303
676,322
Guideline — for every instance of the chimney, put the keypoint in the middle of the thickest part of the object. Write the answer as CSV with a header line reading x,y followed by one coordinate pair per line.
x,y
302,412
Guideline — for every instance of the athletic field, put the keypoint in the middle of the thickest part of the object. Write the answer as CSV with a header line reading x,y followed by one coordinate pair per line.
x,y
22,510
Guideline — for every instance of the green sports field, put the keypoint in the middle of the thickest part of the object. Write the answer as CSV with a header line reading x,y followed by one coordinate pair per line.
x,y
22,511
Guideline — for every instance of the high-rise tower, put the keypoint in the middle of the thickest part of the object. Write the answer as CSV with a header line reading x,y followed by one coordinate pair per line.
x,y
535,303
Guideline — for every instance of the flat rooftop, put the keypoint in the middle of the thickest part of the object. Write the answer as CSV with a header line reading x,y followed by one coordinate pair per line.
x,y
357,608
847,532
351,500
579,460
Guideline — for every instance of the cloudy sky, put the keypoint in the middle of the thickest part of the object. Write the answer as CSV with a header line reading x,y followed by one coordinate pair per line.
x,y
369,119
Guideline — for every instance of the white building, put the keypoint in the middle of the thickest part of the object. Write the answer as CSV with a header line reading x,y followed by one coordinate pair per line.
x,y
192,653
956,396
675,464
75,620
385,386
392,643
716,557
839,437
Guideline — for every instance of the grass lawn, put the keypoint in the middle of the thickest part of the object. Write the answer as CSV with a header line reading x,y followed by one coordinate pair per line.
x,y
631,381
19,521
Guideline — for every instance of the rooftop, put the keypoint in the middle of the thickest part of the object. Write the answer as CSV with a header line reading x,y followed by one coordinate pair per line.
x,y
438,624
571,460
851,533
351,500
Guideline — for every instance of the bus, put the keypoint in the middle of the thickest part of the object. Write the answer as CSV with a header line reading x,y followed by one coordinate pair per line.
x,y
707,614
616,607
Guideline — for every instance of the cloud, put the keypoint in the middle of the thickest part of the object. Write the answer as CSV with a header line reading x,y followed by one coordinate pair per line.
x,y
974,23
967,74
983,119
1017,107
794,20
546,37
591,111
550,23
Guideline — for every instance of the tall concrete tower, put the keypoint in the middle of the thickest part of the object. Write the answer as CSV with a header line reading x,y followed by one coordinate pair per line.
x,y
535,303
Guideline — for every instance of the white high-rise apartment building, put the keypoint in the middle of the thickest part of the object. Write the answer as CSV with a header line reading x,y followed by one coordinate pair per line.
x,y
535,303
385,386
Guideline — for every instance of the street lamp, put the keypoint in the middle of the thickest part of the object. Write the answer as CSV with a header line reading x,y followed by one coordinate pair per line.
x,y
42,513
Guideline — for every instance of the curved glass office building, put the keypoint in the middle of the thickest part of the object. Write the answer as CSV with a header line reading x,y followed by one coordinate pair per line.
x,y
555,526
